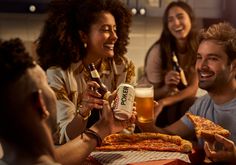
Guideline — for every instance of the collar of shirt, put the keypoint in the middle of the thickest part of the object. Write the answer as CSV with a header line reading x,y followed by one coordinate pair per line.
x,y
104,66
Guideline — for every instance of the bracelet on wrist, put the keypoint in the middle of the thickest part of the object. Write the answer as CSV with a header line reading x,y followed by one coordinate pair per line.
x,y
94,134
78,111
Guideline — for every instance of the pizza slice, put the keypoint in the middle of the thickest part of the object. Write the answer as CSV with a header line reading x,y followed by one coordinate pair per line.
x,y
205,128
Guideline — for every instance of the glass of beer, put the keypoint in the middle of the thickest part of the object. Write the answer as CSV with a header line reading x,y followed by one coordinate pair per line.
x,y
144,94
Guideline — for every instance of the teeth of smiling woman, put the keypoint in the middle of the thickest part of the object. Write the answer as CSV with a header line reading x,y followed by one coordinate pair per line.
x,y
179,29
109,46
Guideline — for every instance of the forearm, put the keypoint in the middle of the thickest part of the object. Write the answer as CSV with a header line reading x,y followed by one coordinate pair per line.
x,y
160,92
186,93
177,128
76,127
151,127
76,150
102,129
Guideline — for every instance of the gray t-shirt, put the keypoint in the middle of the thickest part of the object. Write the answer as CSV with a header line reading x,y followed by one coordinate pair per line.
x,y
223,115
2,162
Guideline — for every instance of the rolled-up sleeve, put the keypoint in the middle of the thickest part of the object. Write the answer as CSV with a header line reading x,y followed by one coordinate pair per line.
x,y
130,78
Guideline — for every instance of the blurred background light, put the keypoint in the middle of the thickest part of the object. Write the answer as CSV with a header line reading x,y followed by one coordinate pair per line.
x,y
32,8
142,11
134,11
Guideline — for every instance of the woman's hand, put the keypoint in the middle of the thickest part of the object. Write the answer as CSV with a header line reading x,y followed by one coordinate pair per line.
x,y
91,98
227,154
172,78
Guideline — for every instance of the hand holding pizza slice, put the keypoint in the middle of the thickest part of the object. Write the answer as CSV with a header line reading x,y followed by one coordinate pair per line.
x,y
205,128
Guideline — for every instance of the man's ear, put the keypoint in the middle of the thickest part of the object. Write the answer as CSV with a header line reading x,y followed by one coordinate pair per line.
x,y
40,105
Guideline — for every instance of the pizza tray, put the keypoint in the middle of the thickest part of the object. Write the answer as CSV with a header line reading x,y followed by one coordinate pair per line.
x,y
126,157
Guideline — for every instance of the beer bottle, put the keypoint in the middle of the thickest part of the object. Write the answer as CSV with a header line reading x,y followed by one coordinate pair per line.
x,y
177,68
96,77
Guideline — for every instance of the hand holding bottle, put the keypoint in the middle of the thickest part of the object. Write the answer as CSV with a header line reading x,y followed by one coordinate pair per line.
x,y
94,75
91,99
172,79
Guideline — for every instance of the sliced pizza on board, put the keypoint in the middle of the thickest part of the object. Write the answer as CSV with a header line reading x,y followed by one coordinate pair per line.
x,y
206,128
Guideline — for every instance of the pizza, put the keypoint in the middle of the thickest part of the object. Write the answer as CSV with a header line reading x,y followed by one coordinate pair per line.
x,y
205,128
145,141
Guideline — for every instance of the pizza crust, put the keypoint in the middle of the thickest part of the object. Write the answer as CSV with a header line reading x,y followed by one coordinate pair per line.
x,y
145,141
205,128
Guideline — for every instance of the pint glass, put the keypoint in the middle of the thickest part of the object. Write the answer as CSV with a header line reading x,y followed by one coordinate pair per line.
x,y
144,94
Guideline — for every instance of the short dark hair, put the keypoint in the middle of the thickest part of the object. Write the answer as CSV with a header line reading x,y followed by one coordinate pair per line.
x,y
224,34
14,62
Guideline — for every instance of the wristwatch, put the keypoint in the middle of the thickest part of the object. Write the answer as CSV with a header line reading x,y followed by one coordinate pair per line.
x,y
84,115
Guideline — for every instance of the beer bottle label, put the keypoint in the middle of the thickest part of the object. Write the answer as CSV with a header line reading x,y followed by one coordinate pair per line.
x,y
179,69
95,74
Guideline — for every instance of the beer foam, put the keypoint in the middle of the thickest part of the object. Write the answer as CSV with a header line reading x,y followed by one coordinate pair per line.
x,y
144,92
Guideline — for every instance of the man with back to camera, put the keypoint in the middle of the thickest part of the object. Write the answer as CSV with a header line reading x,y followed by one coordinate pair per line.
x,y
216,67
28,114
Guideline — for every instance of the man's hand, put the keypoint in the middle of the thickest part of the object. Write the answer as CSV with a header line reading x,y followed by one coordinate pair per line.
x,y
158,107
227,154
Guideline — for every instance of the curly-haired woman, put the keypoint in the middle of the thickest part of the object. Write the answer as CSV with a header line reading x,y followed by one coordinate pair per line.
x,y
77,33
